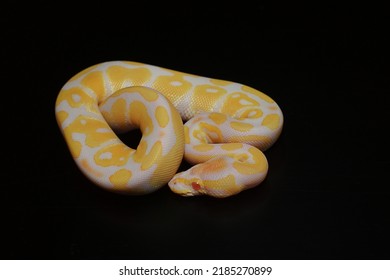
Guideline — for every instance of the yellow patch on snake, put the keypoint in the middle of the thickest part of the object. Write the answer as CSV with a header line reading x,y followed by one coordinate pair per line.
x,y
139,115
239,157
258,93
200,135
150,158
113,155
213,132
149,95
218,118
120,178
95,82
162,116
203,147
227,185
232,146
141,151
120,76
271,121
241,126
118,110
236,101
250,138
214,166
186,135
84,163
251,114
260,163
172,86
62,116
96,131
205,96
198,158
76,98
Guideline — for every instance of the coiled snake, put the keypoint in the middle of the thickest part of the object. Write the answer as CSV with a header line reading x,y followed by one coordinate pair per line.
x,y
227,126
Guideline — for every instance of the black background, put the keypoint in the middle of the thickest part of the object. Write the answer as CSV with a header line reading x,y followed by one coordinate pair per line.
x,y
327,192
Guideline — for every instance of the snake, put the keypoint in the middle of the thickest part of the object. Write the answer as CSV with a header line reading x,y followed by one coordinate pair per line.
x,y
220,127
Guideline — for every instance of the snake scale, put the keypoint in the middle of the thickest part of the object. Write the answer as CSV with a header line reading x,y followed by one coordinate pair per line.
x,y
227,126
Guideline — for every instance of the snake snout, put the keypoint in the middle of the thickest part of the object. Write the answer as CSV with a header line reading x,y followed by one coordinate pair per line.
x,y
184,186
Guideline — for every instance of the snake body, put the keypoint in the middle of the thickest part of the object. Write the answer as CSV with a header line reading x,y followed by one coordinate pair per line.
x,y
227,126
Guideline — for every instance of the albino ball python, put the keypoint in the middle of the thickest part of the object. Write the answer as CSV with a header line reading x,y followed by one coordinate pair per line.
x,y
227,126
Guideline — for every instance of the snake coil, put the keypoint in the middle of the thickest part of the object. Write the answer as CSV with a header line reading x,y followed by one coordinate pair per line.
x,y
227,126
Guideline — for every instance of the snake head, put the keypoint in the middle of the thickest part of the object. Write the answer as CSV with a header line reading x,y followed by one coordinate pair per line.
x,y
213,177
186,187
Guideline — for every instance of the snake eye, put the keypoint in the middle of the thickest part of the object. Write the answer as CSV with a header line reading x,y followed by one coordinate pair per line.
x,y
195,186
